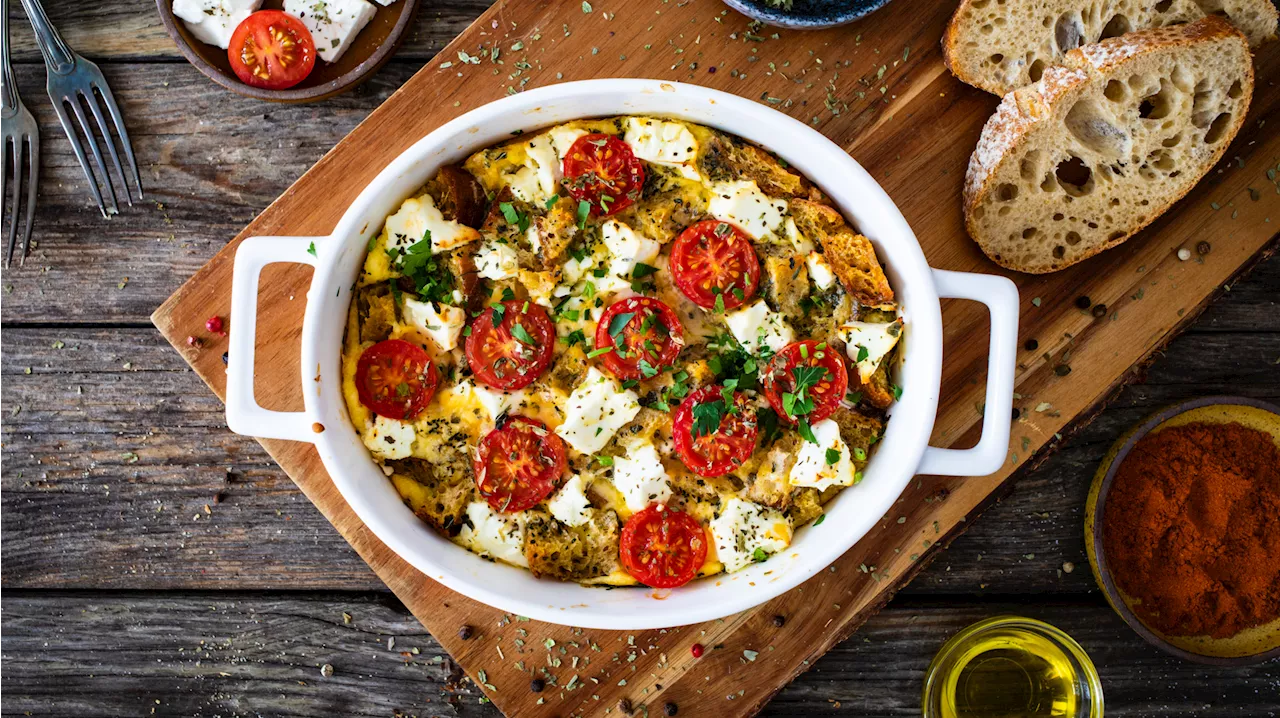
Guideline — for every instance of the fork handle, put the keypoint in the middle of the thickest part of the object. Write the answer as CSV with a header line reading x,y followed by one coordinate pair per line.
x,y
10,89
57,56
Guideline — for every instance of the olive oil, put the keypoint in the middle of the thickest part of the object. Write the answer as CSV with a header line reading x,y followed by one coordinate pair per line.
x,y
1012,668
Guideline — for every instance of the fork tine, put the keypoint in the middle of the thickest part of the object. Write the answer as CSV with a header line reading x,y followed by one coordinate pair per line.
x,y
13,237
92,101
60,108
97,153
17,188
33,181
110,101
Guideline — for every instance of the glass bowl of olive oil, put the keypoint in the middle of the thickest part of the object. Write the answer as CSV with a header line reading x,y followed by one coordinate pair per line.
x,y
1011,667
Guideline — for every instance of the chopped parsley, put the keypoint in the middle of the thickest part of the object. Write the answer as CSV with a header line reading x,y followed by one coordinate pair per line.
x,y
759,554
522,335
312,250
499,311
551,201
707,416
833,457
575,337
584,211
514,216
431,277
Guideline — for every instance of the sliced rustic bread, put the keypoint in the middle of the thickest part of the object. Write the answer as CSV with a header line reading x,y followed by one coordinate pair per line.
x,y
1102,145
1001,45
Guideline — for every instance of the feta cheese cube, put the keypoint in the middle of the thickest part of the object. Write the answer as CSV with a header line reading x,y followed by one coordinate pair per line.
x,y
214,21
812,468
570,505
334,24
389,438
745,532
496,535
628,248
867,344
640,477
495,401
595,411
743,204
418,219
562,138
798,241
757,327
534,171
819,271
670,144
443,325
497,260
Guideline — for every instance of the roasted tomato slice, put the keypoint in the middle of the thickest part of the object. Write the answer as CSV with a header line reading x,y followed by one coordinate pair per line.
x,y
663,547
645,334
395,379
603,171
710,439
511,345
714,260
519,464
805,380
272,50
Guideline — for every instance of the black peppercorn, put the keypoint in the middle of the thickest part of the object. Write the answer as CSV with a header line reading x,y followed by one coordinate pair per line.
x,y
624,706
1083,302
670,708
1202,248
1031,345
1016,413
537,684
465,633
778,621
1099,310
1062,370
224,357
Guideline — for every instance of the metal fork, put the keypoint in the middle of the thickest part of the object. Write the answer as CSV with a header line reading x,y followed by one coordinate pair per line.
x,y
19,129
73,81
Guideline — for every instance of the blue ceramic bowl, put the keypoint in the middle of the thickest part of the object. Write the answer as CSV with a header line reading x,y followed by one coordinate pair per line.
x,y
807,14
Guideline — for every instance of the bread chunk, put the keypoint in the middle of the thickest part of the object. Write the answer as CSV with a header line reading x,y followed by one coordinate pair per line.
x,y
1100,147
1001,45
851,255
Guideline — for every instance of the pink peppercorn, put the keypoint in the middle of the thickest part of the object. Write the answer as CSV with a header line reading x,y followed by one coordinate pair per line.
x,y
215,325
696,650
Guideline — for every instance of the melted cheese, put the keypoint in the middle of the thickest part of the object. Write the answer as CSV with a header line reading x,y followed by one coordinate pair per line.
x,y
443,324
389,438
820,271
595,411
661,142
758,328
745,532
641,477
569,505
496,535
813,468
417,220
743,204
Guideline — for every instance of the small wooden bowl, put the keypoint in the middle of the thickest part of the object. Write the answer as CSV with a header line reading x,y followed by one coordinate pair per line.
x,y
372,47
1252,645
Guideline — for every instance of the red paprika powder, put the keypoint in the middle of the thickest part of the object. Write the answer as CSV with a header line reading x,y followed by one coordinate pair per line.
x,y
1191,529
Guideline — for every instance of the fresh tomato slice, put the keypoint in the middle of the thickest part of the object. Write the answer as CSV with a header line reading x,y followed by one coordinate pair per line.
x,y
603,171
645,333
714,451
511,345
272,50
663,547
519,464
809,378
714,260
395,379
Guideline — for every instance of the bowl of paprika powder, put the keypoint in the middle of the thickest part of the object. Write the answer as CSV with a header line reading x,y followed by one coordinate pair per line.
x,y
1182,530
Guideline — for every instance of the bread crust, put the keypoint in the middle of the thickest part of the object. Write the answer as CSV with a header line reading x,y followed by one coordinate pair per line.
x,y
1023,112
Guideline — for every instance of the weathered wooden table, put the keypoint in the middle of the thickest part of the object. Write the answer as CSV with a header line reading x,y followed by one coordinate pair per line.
x,y
154,562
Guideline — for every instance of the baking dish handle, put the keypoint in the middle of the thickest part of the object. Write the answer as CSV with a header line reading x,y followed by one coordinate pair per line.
x,y
244,414
1001,297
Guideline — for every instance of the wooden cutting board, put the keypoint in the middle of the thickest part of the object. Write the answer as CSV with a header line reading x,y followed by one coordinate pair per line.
x,y
879,89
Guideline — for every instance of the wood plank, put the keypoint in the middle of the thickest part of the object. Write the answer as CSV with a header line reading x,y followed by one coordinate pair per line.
x,y
127,30
106,469
899,107
182,655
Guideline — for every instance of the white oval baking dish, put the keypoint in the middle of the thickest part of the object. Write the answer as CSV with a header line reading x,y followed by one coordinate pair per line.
x,y
902,453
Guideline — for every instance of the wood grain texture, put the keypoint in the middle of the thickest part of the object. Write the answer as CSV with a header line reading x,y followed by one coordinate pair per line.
x,y
246,654
877,105
108,470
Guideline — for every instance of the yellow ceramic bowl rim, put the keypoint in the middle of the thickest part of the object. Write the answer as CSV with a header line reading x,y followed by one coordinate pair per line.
x,y
1088,674
1095,508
